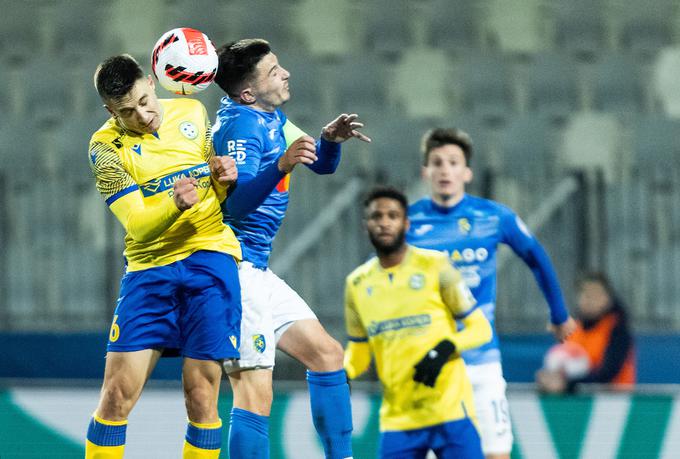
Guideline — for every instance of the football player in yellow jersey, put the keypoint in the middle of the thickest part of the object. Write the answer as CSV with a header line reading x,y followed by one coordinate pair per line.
x,y
153,163
402,308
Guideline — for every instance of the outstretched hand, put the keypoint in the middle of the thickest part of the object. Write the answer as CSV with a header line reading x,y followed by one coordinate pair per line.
x,y
342,128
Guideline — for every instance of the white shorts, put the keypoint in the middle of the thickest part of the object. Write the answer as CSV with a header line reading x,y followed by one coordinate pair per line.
x,y
491,404
269,307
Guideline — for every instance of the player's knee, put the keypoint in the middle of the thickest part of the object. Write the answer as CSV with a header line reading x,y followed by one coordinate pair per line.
x,y
116,402
254,397
329,355
201,404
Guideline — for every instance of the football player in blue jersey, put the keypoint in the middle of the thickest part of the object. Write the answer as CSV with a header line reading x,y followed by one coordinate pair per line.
x,y
251,128
469,229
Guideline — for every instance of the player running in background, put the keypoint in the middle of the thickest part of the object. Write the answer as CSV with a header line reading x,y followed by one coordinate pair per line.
x,y
469,230
252,129
402,307
154,165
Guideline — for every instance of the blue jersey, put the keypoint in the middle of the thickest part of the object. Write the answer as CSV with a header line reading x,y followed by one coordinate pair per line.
x,y
256,139
469,233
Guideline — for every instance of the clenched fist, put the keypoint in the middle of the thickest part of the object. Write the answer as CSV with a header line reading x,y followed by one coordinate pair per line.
x,y
223,170
303,150
185,194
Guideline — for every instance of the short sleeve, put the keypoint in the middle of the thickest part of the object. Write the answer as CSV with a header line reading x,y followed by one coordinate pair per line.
x,y
454,291
353,326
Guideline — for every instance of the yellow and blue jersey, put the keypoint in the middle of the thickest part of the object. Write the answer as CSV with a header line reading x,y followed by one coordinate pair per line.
x,y
402,312
469,233
135,171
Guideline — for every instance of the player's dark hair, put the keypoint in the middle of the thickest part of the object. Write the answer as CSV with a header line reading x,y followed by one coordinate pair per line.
x,y
386,192
438,137
237,61
116,76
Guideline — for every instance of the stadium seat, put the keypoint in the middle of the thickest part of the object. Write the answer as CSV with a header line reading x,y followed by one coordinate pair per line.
x,y
78,41
442,14
517,27
422,82
644,28
526,150
358,82
484,83
395,148
664,79
580,27
328,27
19,35
388,26
592,141
656,150
552,85
617,85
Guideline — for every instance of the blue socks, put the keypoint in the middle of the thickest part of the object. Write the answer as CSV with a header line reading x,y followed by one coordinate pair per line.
x,y
248,435
331,411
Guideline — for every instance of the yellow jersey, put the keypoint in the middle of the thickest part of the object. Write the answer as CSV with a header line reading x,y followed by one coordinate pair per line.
x,y
402,312
135,174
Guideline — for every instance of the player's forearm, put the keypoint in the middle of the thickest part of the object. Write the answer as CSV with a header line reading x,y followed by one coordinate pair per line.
x,y
144,224
328,154
357,358
476,332
250,192
539,263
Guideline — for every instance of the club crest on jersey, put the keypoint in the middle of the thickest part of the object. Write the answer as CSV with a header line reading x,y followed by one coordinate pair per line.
x,y
423,229
464,226
234,341
137,148
188,130
417,281
259,344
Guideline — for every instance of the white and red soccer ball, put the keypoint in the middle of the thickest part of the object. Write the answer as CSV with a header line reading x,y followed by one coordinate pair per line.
x,y
184,61
567,358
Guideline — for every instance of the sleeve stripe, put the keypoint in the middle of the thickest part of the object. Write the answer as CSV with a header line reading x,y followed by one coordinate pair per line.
x,y
357,339
121,193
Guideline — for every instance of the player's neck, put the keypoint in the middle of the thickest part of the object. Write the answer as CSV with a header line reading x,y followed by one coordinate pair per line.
x,y
447,200
260,107
389,260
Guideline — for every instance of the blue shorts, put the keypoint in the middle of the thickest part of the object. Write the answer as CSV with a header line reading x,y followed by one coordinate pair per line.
x,y
451,440
191,307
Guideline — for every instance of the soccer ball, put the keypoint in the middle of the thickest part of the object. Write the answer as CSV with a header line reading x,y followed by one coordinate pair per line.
x,y
567,358
184,61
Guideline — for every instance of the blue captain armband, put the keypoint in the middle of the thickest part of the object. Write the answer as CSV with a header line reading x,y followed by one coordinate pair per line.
x,y
113,198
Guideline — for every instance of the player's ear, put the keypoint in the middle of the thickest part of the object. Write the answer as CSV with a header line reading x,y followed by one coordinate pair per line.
x,y
247,97
152,85
108,109
468,175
